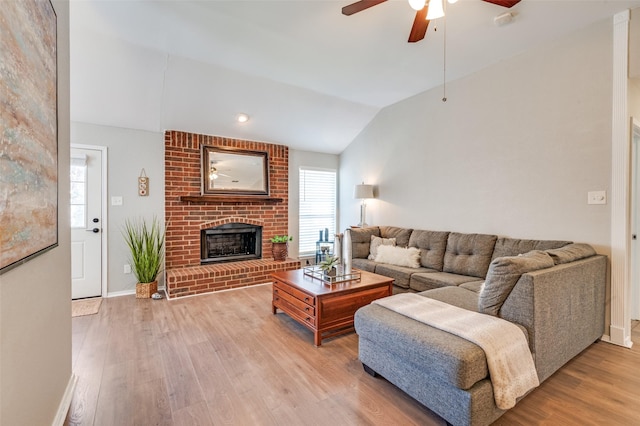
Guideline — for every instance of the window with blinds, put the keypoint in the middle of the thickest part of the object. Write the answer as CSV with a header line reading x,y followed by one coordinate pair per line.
x,y
317,207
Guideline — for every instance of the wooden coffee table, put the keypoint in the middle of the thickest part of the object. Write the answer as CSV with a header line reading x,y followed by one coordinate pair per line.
x,y
325,309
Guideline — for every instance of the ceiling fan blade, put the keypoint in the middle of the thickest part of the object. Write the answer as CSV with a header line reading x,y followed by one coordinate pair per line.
x,y
504,3
420,25
359,6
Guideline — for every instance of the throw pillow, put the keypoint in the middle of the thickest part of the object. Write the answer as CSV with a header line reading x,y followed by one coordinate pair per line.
x,y
377,242
399,256
504,273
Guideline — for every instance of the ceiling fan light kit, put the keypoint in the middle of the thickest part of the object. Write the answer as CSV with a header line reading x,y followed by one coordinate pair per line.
x,y
417,4
436,10
426,11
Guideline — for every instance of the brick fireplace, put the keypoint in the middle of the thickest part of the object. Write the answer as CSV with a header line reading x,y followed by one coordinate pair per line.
x,y
188,214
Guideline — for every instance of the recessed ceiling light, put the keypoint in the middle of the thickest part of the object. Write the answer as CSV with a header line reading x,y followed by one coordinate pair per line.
x,y
242,118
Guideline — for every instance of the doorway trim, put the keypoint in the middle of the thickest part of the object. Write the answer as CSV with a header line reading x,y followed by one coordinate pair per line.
x,y
104,208
620,326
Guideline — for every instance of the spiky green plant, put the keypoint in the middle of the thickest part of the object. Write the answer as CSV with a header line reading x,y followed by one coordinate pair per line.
x,y
146,245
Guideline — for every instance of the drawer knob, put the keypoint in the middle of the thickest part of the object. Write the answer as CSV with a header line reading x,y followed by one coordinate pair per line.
x,y
308,318
275,290
306,309
306,299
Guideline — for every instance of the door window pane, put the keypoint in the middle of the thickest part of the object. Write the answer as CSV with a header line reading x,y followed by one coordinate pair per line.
x,y
78,174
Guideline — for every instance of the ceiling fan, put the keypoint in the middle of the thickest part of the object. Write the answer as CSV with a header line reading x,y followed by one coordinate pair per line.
x,y
420,23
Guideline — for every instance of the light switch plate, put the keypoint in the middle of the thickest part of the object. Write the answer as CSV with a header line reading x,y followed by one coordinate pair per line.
x,y
597,197
116,201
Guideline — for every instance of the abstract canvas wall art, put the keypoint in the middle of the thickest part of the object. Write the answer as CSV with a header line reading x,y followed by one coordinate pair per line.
x,y
28,131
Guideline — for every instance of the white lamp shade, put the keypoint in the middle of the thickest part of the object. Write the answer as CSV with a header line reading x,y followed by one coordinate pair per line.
x,y
436,10
363,191
417,4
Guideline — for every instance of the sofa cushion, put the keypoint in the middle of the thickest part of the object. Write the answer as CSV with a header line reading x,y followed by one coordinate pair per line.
x,y
475,286
364,264
513,246
401,256
459,362
456,296
432,245
377,242
400,234
469,254
401,274
426,281
360,241
570,253
503,274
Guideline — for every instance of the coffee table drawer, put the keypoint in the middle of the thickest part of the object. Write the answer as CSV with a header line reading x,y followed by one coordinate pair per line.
x,y
302,306
294,311
302,296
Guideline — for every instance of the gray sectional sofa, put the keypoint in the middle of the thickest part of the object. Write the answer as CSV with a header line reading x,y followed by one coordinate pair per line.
x,y
553,290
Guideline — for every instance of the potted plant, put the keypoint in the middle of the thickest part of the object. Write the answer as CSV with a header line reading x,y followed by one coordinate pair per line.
x,y
146,245
280,247
328,266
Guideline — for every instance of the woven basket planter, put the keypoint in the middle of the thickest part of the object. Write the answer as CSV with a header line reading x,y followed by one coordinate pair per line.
x,y
145,290
279,251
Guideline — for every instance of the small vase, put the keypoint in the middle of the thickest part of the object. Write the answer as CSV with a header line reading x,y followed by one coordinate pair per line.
x,y
279,251
331,273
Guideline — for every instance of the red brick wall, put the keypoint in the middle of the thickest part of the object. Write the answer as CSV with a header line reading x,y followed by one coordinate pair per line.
x,y
185,219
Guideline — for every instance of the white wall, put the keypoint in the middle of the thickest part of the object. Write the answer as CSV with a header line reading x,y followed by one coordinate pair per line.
x,y
299,159
513,151
634,98
128,152
35,298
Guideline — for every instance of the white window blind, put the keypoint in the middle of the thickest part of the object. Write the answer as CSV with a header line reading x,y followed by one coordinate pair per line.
x,y
317,207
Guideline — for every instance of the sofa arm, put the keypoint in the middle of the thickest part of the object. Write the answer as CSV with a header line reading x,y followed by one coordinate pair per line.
x,y
562,309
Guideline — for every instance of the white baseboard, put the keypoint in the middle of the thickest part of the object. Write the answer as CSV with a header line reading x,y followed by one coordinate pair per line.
x,y
65,402
121,293
625,344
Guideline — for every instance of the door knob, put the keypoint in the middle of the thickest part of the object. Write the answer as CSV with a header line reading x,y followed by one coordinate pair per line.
x,y
95,220
94,230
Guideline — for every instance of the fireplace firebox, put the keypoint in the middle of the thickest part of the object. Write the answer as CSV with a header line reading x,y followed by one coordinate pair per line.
x,y
231,242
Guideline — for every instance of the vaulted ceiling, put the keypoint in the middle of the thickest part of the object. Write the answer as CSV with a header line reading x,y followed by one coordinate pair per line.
x,y
308,76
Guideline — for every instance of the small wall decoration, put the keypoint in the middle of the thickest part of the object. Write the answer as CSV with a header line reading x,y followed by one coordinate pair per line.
x,y
143,184
28,131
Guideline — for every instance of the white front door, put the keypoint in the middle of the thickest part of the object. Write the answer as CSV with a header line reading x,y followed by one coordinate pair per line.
x,y
86,223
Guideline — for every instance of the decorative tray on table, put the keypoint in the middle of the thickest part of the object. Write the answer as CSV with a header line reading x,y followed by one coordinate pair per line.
x,y
341,275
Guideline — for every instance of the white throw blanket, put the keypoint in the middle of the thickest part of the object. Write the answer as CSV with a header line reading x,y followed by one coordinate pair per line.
x,y
510,363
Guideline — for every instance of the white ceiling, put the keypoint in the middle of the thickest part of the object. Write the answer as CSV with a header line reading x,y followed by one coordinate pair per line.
x,y
308,77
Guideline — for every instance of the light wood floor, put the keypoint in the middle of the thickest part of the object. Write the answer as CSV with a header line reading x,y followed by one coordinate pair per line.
x,y
225,358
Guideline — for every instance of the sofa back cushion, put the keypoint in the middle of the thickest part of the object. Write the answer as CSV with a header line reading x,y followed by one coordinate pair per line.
x,y
503,275
571,253
432,245
361,239
469,254
377,242
513,246
400,234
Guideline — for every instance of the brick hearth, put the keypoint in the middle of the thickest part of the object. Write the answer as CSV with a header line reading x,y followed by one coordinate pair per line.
x,y
185,219
205,279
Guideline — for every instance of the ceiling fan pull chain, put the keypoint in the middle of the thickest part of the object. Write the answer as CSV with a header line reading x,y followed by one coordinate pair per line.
x,y
444,59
